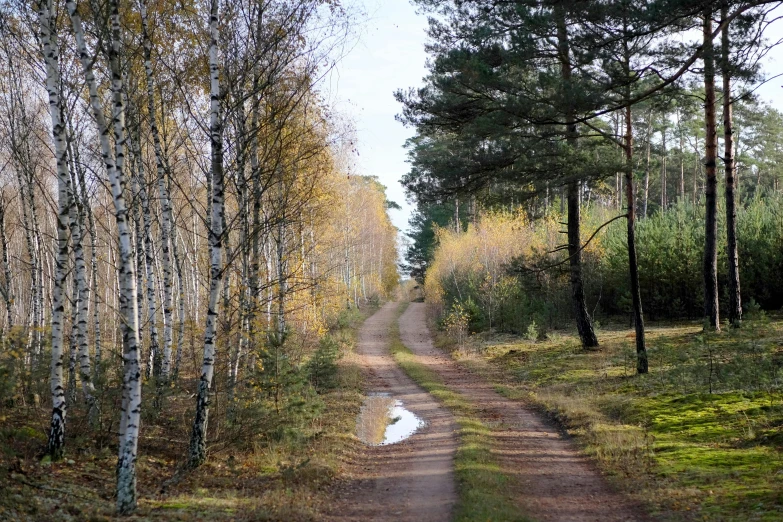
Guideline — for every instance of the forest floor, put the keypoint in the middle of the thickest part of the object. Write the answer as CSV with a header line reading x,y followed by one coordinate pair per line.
x,y
698,438
247,476
515,430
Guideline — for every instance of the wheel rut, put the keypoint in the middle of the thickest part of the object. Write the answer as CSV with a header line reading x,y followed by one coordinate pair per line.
x,y
414,479
553,481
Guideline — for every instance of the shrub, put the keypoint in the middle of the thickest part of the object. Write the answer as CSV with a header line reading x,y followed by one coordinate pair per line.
x,y
322,367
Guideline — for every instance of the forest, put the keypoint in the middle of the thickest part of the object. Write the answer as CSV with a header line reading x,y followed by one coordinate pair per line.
x,y
178,219
207,312
609,168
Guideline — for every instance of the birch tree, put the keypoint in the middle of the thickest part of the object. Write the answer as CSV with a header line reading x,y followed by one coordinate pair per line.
x,y
198,439
51,54
114,164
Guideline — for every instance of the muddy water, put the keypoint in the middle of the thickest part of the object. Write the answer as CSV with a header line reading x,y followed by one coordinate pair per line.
x,y
384,420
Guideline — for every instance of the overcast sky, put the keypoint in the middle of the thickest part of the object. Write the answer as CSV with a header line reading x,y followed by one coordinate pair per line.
x,y
389,56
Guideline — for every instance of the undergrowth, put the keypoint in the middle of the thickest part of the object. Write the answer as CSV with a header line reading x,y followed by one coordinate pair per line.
x,y
250,475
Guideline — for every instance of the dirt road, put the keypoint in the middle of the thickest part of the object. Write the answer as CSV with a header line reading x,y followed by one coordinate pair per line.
x,y
554,481
412,480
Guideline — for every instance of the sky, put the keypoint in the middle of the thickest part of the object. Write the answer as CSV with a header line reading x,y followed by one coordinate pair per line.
x,y
389,55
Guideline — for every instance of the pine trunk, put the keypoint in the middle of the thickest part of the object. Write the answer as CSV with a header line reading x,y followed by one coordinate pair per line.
x,y
735,297
642,365
711,306
583,323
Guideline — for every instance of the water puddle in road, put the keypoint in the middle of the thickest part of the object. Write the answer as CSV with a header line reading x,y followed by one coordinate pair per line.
x,y
384,420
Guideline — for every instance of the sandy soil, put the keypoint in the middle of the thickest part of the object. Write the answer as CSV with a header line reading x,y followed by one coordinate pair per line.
x,y
554,481
412,480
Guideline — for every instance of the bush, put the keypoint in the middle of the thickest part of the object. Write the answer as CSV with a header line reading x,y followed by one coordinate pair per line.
x,y
322,367
490,271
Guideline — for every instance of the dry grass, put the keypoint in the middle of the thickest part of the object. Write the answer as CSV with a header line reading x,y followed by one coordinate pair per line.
x,y
700,437
245,478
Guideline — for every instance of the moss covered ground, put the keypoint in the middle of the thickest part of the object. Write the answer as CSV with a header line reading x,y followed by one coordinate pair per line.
x,y
698,438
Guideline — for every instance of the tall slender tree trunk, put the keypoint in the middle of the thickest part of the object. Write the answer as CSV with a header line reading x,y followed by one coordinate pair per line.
x,y
711,305
583,323
114,163
51,53
8,293
198,440
165,200
646,196
82,302
85,205
735,297
681,193
138,260
664,194
154,355
642,363
255,230
696,169
180,301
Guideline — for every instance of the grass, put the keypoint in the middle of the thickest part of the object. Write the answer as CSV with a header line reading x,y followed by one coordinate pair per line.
x,y
246,477
699,438
481,483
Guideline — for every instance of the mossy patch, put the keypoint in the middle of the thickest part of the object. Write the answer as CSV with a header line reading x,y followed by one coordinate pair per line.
x,y
700,437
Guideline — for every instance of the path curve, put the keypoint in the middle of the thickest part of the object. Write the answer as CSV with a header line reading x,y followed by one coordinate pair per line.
x,y
554,481
412,480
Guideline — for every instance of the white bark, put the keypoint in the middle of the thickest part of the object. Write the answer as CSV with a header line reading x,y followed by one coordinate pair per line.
x,y
163,194
51,54
82,297
154,360
8,294
87,210
198,448
131,407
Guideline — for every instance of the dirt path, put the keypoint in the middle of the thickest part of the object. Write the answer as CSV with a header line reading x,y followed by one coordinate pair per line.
x,y
555,482
412,480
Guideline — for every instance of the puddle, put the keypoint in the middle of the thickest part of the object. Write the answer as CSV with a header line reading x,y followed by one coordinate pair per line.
x,y
384,420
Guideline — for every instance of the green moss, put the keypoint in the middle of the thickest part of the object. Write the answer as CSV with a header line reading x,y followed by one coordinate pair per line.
x,y
703,432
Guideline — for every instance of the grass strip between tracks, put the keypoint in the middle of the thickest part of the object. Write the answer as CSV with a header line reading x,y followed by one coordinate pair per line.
x,y
481,483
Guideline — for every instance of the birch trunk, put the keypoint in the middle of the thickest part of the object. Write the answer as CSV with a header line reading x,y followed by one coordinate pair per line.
x,y
180,299
85,204
114,162
165,201
82,301
154,361
71,394
198,441
138,260
51,54
8,294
